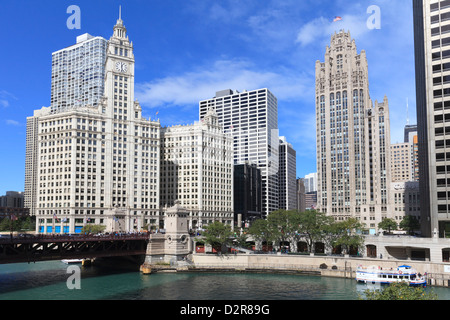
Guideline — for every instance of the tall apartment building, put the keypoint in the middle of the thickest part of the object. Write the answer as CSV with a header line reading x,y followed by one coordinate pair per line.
x,y
287,176
353,137
97,163
197,170
31,165
78,73
432,54
401,162
252,119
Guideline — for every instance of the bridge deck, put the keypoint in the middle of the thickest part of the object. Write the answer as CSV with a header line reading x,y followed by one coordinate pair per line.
x,y
55,247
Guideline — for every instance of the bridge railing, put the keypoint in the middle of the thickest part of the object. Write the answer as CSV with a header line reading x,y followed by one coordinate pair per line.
x,y
76,237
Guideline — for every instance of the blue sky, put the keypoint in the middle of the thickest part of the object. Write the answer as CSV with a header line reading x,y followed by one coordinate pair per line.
x,y
186,50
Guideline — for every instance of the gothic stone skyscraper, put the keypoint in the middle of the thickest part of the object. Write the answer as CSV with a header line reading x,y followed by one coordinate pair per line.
x,y
353,137
96,163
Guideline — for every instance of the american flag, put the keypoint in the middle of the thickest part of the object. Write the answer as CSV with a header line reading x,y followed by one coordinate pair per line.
x,y
337,18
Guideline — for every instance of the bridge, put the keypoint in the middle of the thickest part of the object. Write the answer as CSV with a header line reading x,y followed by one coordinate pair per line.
x,y
58,247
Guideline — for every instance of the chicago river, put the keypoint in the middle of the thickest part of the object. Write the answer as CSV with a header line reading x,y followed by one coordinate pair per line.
x,y
51,281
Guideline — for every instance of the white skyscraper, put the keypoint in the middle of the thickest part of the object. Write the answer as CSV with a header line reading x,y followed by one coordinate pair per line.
x,y
78,73
97,163
252,119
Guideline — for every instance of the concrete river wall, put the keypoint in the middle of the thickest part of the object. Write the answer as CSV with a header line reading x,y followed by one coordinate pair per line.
x,y
331,266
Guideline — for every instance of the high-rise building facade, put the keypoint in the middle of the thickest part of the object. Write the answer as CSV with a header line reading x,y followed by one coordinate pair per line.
x,y
78,73
31,164
401,162
432,54
301,195
287,176
247,194
412,139
97,163
197,171
252,119
353,137
311,182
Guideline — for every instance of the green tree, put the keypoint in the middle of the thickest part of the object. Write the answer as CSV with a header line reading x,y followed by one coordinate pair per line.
x,y
314,225
278,224
8,224
93,229
399,291
388,224
410,223
348,235
217,235
240,240
260,231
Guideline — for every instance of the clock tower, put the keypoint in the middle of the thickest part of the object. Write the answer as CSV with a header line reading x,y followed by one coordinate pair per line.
x,y
120,67
119,108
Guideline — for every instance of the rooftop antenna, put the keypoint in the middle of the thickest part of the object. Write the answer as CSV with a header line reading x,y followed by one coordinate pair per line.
x,y
407,112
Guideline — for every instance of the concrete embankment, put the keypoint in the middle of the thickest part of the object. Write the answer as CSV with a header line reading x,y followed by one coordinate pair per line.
x,y
330,266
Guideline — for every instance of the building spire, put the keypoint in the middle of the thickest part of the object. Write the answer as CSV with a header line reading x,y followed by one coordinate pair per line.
x,y
119,29
407,112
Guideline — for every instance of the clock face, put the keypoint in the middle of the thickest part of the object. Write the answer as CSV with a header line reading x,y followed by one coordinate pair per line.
x,y
121,67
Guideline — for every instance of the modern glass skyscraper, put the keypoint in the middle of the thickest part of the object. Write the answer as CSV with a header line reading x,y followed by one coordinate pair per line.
x,y
432,53
78,73
252,119
353,137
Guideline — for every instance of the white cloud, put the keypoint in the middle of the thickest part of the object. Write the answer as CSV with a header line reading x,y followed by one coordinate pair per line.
x,y
321,28
12,122
5,96
311,31
203,82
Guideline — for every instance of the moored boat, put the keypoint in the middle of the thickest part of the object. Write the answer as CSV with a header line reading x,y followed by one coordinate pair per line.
x,y
375,274
72,261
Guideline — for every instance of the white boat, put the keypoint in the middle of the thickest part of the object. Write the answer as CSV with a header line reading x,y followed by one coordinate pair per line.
x,y
378,275
72,261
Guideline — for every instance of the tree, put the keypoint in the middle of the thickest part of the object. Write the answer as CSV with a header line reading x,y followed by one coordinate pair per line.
x,y
388,224
93,229
313,225
260,231
348,234
278,224
217,235
410,223
399,291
